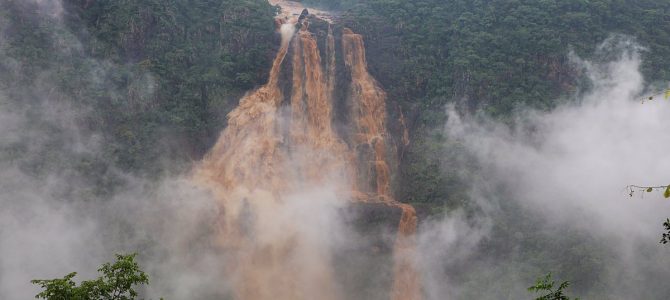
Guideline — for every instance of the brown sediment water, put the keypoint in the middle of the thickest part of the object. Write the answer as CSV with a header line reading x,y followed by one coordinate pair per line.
x,y
369,111
322,152
330,64
250,169
265,154
406,285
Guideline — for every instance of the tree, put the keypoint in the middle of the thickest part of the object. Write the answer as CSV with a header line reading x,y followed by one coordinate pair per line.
x,y
546,286
117,282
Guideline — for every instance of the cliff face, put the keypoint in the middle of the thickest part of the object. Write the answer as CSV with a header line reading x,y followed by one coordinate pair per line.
x,y
320,121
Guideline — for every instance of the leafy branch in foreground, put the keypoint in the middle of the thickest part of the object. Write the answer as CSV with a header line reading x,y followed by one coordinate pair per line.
x,y
666,95
545,285
635,188
665,238
117,282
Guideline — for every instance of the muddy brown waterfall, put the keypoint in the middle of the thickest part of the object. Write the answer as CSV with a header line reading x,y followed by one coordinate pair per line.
x,y
369,111
280,141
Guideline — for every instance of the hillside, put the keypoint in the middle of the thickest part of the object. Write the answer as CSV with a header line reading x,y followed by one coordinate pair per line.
x,y
485,137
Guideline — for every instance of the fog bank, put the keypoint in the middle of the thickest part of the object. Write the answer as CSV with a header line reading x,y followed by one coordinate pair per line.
x,y
570,167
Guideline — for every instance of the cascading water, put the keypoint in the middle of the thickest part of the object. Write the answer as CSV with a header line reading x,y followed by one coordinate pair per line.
x,y
265,154
369,111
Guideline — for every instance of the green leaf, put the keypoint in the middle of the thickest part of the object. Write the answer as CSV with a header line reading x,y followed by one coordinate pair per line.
x,y
118,282
667,192
649,190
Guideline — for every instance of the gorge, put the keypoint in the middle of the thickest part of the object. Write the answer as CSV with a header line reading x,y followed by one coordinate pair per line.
x,y
282,139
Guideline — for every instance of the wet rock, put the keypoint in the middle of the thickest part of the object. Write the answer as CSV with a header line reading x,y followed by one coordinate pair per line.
x,y
303,15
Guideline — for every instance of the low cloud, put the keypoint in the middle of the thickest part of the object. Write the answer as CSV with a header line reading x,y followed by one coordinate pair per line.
x,y
570,168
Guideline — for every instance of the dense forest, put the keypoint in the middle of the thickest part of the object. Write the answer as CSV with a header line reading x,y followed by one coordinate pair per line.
x,y
148,84
491,56
144,68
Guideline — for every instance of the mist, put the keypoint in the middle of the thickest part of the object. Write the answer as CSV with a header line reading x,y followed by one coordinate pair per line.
x,y
568,170
55,219
56,215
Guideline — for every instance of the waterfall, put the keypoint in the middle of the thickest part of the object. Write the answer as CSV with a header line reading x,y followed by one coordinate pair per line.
x,y
265,154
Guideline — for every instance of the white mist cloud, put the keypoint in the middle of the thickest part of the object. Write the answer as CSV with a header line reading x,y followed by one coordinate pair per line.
x,y
51,220
170,223
571,166
48,229
579,158
52,8
41,235
443,243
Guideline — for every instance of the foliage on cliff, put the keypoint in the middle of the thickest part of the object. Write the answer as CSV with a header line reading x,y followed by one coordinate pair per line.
x,y
153,79
492,56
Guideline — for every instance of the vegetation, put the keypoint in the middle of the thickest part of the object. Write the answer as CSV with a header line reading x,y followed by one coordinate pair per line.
x,y
648,189
153,79
665,237
490,56
547,287
202,55
498,54
118,282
